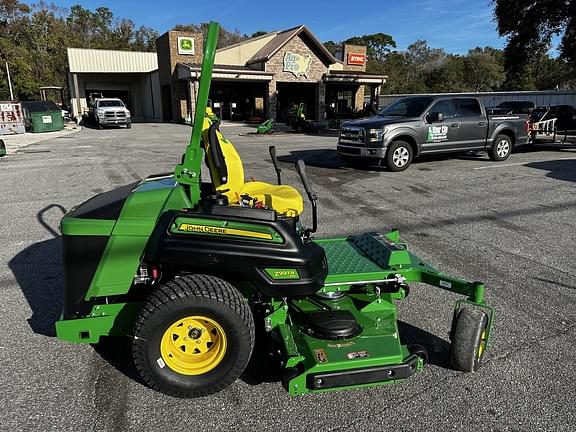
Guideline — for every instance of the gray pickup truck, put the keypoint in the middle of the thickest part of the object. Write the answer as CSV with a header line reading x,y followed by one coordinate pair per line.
x,y
419,125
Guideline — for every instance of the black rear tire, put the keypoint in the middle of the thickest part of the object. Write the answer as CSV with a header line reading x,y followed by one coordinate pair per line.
x,y
399,156
183,300
501,148
468,339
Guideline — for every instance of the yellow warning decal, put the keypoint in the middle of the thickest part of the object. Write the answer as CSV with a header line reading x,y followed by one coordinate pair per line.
x,y
206,229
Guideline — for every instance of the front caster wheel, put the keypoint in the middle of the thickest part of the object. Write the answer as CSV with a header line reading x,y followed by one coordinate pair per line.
x,y
469,338
193,337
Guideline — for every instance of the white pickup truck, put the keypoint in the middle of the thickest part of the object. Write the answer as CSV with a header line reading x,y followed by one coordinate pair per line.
x,y
109,112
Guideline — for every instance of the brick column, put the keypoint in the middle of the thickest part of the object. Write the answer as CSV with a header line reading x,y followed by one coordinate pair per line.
x,y
191,99
321,101
359,98
271,105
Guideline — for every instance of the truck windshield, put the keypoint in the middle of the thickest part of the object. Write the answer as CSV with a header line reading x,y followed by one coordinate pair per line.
x,y
104,104
406,107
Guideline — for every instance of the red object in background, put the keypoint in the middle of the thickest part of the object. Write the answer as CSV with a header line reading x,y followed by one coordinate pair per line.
x,y
356,59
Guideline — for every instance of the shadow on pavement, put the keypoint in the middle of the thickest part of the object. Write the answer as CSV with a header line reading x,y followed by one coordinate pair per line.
x,y
324,158
438,349
329,158
38,271
117,352
557,169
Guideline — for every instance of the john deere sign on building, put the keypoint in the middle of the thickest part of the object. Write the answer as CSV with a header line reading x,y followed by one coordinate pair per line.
x,y
185,45
256,79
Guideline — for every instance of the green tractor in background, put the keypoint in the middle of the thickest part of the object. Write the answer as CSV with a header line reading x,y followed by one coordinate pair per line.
x,y
193,270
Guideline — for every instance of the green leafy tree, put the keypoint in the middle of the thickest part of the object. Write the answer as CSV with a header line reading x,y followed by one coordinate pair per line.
x,y
225,37
378,45
332,46
530,26
484,69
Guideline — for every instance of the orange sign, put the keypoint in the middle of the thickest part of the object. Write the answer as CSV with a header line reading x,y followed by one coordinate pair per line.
x,y
356,59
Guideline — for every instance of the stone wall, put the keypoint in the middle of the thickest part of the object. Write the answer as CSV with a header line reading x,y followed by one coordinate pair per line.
x,y
297,46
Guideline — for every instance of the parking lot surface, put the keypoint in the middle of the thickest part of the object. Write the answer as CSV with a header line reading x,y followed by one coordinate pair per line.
x,y
510,224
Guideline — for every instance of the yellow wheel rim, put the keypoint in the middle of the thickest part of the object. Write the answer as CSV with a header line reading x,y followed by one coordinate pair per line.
x,y
482,345
193,345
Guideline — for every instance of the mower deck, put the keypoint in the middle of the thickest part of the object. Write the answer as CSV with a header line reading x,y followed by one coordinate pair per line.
x,y
366,274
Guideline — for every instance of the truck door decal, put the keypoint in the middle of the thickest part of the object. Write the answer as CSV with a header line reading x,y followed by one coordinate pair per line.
x,y
437,134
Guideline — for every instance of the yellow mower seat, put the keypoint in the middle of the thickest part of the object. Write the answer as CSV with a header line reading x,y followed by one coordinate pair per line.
x,y
227,172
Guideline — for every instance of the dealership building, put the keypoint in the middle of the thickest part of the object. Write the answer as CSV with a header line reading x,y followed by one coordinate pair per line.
x,y
259,78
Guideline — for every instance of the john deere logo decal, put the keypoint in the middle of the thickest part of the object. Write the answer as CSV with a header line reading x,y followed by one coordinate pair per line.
x,y
206,229
185,45
297,64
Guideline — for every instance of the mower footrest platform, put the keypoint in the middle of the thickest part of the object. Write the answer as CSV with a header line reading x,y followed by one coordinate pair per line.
x,y
370,375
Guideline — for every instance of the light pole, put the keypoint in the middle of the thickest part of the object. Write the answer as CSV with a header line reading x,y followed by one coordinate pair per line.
x,y
9,82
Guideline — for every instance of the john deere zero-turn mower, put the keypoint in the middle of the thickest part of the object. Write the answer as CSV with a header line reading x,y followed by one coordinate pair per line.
x,y
191,269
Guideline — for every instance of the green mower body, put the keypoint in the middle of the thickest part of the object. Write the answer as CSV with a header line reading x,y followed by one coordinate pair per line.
x,y
194,281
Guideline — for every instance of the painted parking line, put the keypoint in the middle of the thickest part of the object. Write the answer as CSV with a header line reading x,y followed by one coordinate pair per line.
x,y
496,165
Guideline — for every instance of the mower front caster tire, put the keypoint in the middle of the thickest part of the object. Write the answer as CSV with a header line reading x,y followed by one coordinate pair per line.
x,y
468,340
194,336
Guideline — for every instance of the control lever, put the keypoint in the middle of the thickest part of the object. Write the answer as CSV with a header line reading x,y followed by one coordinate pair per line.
x,y
272,150
301,170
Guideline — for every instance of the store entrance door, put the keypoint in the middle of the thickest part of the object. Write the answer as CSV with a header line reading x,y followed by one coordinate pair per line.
x,y
291,94
340,101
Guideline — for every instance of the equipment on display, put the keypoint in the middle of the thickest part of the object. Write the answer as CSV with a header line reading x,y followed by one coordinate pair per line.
x,y
198,272
266,127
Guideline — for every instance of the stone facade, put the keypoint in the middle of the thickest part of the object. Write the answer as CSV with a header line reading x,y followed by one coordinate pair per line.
x,y
353,49
168,58
297,46
314,75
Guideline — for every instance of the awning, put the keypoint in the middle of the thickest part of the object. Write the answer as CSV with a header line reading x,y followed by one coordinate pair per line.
x,y
224,72
354,78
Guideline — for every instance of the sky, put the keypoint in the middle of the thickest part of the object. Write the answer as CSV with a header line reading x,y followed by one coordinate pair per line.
x,y
454,25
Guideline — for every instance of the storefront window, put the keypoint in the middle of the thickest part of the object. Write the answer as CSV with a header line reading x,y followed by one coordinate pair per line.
x,y
340,102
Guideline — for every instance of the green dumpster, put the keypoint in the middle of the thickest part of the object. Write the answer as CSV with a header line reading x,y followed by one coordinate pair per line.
x,y
42,116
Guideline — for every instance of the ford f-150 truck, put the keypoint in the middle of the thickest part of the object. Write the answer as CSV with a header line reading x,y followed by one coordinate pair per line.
x,y
419,125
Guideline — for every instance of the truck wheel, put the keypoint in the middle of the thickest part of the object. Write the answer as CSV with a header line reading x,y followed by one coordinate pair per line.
x,y
100,125
468,340
399,156
128,125
501,148
193,337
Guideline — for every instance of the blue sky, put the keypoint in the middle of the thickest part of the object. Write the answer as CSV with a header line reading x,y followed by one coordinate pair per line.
x,y
455,25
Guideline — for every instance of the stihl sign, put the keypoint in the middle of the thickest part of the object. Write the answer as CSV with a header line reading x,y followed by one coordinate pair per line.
x,y
356,59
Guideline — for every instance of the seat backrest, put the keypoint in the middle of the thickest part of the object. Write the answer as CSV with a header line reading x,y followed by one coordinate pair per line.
x,y
224,163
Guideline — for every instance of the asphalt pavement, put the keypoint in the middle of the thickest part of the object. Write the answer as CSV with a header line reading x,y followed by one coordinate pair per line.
x,y
510,224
